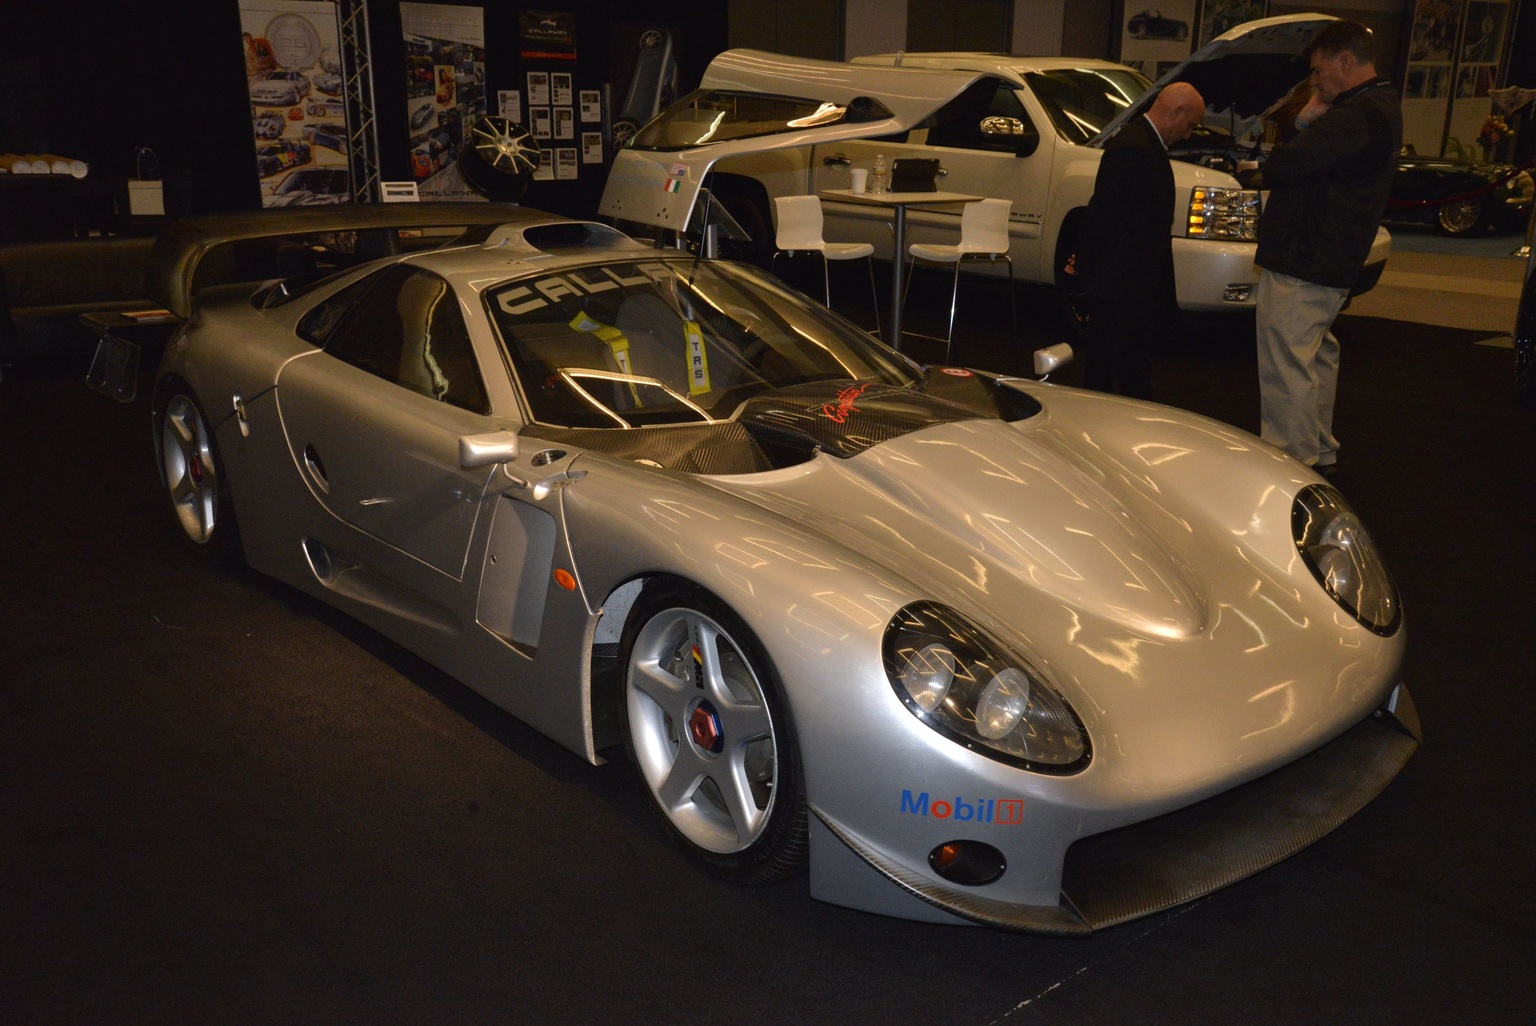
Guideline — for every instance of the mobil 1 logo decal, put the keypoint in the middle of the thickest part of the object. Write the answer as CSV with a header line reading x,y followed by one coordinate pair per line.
x,y
1000,811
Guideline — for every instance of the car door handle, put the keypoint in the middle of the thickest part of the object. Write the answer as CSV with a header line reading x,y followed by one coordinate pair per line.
x,y
836,160
316,468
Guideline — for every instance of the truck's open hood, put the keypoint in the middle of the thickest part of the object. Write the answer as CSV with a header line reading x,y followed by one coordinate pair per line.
x,y
1242,73
659,187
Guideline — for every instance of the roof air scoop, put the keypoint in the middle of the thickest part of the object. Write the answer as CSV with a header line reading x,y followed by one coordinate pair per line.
x,y
525,240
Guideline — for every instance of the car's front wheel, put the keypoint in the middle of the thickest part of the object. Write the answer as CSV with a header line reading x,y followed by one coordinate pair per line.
x,y
193,476
707,725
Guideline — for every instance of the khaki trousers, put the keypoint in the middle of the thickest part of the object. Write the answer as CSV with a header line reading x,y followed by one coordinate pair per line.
x,y
1298,365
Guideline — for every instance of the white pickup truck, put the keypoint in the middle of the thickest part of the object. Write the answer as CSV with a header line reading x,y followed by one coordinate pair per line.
x,y
1028,129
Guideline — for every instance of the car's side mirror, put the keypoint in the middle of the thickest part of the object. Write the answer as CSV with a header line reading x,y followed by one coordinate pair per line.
x,y
484,450
1012,133
1052,358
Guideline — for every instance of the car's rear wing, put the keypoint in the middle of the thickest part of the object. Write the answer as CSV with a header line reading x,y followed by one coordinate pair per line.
x,y
244,246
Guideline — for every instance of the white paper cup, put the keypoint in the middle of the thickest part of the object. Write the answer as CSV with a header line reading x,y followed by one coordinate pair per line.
x,y
860,176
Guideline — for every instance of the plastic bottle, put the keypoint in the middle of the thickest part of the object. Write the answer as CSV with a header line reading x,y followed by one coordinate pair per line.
x,y
878,175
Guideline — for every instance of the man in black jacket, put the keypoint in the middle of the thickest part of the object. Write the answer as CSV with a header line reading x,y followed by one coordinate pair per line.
x,y
1125,257
1328,190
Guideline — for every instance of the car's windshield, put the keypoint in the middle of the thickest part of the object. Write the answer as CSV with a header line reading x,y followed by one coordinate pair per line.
x,y
663,341
712,116
1081,101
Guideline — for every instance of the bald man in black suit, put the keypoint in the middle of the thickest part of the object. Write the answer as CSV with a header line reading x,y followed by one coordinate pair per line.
x,y
1125,256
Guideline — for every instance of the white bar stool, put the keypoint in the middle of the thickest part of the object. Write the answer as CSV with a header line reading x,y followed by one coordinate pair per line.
x,y
983,236
799,230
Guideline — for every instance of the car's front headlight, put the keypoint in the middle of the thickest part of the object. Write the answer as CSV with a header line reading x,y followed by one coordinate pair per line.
x,y
1230,215
968,687
1343,558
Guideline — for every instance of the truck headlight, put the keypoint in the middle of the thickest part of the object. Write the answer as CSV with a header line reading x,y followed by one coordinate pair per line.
x,y
1343,558
971,689
1231,215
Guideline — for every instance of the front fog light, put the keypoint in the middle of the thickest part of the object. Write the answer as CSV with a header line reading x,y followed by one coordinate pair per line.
x,y
1339,552
977,693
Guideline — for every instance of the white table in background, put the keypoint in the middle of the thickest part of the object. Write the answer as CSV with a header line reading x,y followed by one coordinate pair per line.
x,y
898,202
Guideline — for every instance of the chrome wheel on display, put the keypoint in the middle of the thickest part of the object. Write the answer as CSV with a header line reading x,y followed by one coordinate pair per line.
x,y
710,736
499,158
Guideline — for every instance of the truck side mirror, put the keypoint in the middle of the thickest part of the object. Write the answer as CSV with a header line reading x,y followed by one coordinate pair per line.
x,y
1011,133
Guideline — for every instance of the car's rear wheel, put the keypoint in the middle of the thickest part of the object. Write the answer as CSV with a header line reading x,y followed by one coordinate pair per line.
x,y
624,130
706,723
1460,216
193,476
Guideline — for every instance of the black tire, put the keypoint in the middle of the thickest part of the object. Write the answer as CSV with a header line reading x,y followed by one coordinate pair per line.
x,y
498,158
192,473
701,707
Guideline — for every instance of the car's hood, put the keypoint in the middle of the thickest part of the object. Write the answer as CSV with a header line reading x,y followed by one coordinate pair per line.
x,y
1144,554
1243,73
983,506
659,187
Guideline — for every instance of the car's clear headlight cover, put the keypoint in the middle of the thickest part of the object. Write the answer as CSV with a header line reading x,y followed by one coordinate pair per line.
x,y
1343,558
1230,215
974,691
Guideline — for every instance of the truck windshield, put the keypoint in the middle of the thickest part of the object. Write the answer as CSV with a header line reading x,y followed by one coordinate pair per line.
x,y
1081,101
712,116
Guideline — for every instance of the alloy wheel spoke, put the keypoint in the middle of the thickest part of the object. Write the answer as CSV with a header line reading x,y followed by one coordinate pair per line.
x,y
682,780
736,789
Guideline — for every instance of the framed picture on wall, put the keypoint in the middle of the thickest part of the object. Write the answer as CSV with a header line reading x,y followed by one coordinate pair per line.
x,y
1156,34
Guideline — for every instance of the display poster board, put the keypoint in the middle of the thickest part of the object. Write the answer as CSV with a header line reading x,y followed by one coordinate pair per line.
x,y
1157,35
547,35
298,114
1454,54
445,92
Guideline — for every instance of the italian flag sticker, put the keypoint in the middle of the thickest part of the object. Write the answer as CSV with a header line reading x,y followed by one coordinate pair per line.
x,y
674,185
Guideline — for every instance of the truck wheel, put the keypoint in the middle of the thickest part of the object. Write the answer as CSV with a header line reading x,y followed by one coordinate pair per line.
x,y
752,214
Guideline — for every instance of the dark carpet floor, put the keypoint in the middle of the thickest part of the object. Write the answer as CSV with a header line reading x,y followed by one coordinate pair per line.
x,y
221,802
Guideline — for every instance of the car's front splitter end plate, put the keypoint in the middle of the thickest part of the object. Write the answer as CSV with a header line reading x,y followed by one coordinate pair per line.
x,y
1151,866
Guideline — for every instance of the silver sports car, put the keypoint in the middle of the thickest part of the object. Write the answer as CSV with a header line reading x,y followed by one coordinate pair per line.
x,y
971,648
